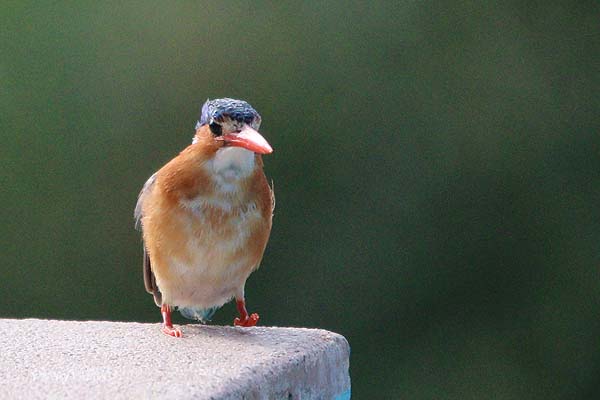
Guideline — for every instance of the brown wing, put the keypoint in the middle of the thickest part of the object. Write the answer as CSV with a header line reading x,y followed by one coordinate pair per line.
x,y
149,279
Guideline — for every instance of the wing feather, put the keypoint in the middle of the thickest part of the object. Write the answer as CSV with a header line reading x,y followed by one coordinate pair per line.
x,y
149,279
138,212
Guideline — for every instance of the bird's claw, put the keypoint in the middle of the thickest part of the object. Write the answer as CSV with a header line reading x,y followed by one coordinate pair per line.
x,y
248,321
172,331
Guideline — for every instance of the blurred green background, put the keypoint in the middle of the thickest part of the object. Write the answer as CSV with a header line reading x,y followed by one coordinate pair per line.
x,y
436,165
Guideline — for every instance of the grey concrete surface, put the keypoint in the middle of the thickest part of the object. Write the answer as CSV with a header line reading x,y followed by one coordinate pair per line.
x,y
41,359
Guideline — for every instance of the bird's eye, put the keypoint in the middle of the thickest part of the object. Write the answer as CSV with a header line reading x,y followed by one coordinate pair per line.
x,y
216,129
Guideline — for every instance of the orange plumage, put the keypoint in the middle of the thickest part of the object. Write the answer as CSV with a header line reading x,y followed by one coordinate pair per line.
x,y
206,216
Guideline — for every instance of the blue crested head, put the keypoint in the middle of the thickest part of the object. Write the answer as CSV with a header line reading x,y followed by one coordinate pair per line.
x,y
224,110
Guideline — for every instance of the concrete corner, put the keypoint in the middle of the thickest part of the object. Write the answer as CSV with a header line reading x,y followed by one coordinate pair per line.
x,y
43,359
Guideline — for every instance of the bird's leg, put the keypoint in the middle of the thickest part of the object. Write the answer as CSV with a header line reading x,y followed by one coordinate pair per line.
x,y
168,328
244,319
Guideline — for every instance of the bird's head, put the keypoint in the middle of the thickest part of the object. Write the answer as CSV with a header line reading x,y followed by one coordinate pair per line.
x,y
230,122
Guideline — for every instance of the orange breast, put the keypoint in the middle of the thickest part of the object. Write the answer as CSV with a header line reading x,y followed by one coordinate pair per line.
x,y
203,242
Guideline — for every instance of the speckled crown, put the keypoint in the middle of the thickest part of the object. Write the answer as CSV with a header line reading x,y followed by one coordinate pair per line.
x,y
221,109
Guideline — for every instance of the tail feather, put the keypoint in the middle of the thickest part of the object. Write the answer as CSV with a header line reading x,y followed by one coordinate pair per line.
x,y
199,314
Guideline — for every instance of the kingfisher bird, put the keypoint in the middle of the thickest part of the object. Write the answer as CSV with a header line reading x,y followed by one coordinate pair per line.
x,y
206,217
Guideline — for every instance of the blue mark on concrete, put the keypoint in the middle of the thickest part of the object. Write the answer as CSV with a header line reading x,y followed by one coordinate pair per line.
x,y
343,396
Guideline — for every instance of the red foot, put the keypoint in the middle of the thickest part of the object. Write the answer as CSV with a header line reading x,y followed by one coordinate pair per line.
x,y
245,319
168,328
171,331
249,321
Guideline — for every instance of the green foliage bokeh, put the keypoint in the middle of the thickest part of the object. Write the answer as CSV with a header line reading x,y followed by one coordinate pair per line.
x,y
436,166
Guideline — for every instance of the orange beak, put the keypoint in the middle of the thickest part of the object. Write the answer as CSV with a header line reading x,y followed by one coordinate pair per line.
x,y
249,139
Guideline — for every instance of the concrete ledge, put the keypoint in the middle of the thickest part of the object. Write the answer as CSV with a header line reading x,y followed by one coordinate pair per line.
x,y
43,359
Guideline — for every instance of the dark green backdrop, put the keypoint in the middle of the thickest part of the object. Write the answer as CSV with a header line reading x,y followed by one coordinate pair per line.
x,y
436,164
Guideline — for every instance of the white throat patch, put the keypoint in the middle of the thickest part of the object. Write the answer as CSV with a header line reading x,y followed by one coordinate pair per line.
x,y
229,165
